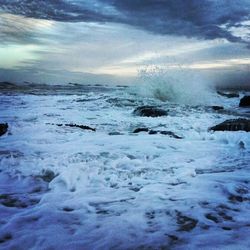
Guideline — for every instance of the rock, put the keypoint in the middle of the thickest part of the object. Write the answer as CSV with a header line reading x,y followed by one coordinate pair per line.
x,y
245,101
138,130
217,108
228,95
171,134
242,145
115,133
80,126
68,209
153,132
186,223
5,237
233,125
3,128
47,175
74,126
17,201
149,111
212,217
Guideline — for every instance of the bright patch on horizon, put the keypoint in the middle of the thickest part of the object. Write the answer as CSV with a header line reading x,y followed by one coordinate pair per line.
x,y
14,56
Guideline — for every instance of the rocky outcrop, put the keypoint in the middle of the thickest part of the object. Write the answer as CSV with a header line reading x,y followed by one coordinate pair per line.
x,y
233,125
245,101
153,132
3,128
149,111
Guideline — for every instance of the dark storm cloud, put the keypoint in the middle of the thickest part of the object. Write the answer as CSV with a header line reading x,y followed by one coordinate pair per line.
x,y
192,18
57,10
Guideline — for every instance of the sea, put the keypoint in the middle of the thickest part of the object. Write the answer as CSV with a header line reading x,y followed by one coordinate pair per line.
x,y
103,186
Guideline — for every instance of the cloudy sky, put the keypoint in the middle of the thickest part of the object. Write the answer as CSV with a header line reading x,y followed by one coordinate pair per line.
x,y
94,41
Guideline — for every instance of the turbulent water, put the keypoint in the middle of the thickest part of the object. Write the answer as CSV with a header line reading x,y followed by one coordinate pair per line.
x,y
63,187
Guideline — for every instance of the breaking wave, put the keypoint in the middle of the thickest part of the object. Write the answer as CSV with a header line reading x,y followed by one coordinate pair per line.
x,y
183,86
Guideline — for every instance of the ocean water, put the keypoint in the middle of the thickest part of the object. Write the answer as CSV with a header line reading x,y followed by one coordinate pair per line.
x,y
63,187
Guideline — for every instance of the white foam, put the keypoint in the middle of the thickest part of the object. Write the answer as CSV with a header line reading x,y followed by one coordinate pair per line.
x,y
120,191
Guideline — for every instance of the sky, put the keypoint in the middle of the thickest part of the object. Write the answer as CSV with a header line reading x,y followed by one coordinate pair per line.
x,y
102,41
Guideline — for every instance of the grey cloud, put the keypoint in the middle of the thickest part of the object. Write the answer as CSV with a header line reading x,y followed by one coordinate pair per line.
x,y
15,29
190,18
57,10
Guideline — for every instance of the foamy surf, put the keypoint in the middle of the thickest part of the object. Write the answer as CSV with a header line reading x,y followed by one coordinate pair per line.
x,y
64,187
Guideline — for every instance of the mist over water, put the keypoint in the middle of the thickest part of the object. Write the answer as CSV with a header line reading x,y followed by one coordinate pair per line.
x,y
184,86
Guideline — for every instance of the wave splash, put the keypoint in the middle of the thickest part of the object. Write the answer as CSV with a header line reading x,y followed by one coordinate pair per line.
x,y
182,86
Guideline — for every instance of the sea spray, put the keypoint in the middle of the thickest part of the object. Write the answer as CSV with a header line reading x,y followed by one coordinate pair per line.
x,y
178,85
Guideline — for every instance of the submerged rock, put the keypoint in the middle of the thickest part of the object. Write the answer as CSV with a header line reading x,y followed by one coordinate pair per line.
x,y
149,111
153,132
228,95
233,125
138,130
115,133
80,126
3,128
216,108
47,175
245,101
171,134
74,126
17,200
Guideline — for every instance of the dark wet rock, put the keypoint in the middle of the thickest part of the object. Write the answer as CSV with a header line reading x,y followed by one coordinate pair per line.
x,y
228,95
68,209
47,175
135,189
216,108
227,228
242,145
115,133
84,127
5,237
3,128
171,134
150,215
149,111
173,237
245,101
11,200
80,126
242,190
225,216
153,132
212,218
235,198
186,223
138,130
233,125
102,211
